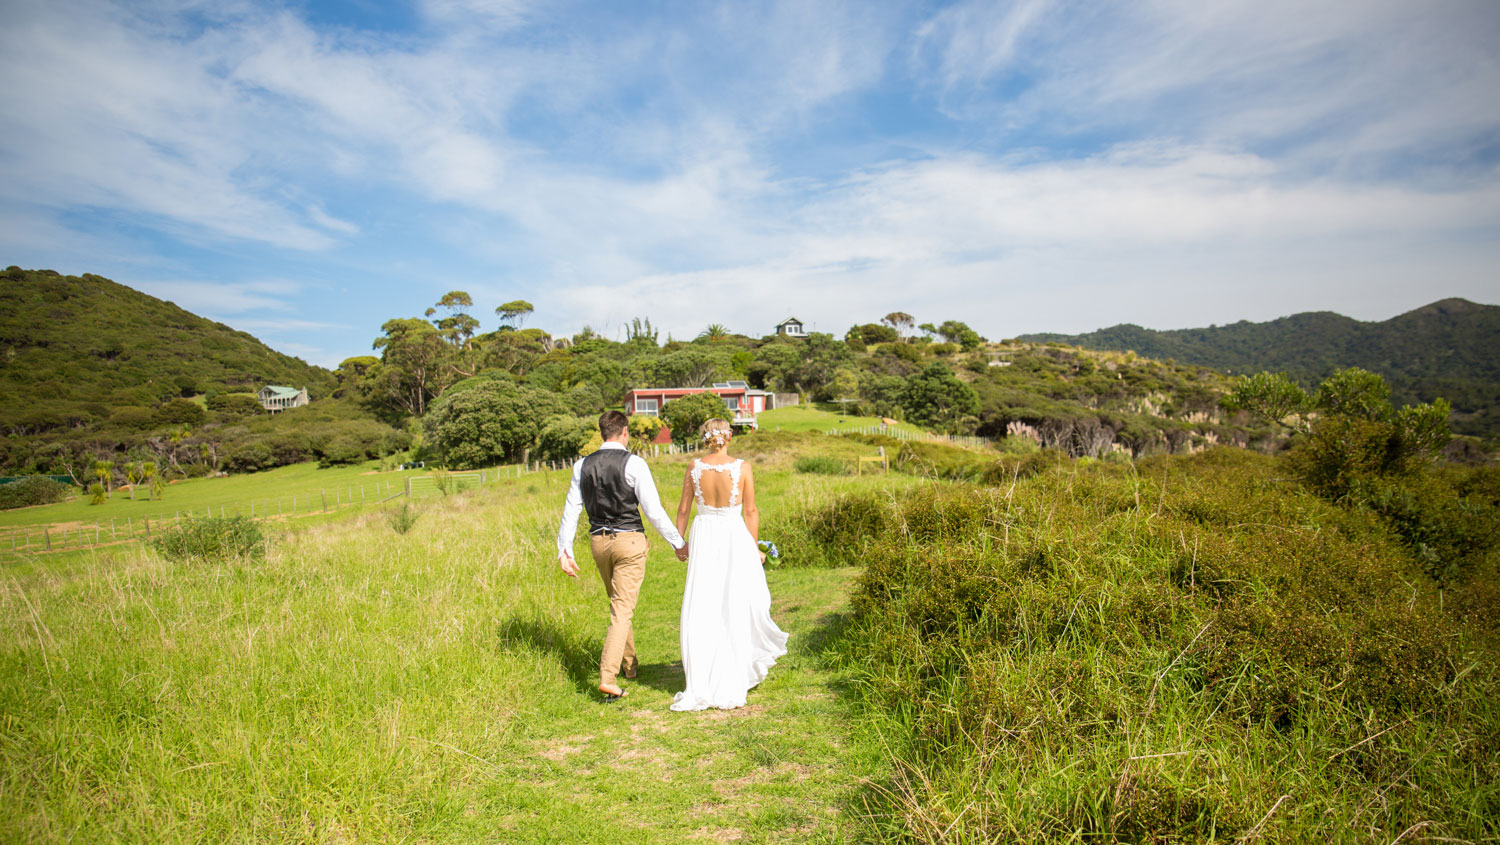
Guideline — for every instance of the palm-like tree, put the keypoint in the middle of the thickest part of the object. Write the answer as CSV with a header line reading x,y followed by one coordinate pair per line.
x,y
105,472
714,332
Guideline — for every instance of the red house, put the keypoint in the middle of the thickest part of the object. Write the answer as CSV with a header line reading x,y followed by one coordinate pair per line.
x,y
745,403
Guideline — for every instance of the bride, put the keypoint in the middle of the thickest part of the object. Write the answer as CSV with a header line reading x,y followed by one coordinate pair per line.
x,y
729,642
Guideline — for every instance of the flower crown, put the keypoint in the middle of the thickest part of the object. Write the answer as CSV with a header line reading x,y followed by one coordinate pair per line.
x,y
717,436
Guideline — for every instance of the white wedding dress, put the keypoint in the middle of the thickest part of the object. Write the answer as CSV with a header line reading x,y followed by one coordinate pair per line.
x,y
729,642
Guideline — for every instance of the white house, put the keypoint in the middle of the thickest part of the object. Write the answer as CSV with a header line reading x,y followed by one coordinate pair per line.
x,y
277,398
790,327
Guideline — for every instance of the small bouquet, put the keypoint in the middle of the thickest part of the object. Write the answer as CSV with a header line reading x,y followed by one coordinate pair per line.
x,y
769,549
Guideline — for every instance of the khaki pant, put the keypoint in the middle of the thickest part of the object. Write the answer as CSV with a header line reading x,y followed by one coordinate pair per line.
x,y
621,559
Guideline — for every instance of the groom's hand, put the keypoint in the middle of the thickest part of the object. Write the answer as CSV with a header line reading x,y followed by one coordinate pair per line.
x,y
682,553
569,566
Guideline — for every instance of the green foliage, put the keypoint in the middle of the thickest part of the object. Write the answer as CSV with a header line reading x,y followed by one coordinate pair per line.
x,y
97,494
959,333
513,314
235,405
821,465
211,539
403,518
179,412
1272,396
77,347
936,398
938,460
873,333
491,423
33,490
1439,350
684,416
563,438
1008,638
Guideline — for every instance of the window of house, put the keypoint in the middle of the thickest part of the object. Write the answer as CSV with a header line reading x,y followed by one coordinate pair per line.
x,y
733,402
646,407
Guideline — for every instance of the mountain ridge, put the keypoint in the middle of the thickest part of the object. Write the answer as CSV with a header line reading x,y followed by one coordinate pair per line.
x,y
1448,348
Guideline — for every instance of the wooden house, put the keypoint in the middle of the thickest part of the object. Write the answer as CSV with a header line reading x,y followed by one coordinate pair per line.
x,y
276,398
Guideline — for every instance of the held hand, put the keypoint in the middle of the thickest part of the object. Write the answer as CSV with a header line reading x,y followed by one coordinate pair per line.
x,y
682,553
569,567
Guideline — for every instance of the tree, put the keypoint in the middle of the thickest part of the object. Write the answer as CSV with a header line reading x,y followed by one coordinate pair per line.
x,y
1356,438
955,332
105,472
901,321
773,366
411,372
714,332
563,438
133,474
871,333
1273,397
821,356
684,416
492,422
688,368
459,326
513,314
936,398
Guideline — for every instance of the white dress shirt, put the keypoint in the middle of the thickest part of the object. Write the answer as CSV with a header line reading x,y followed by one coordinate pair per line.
x,y
638,476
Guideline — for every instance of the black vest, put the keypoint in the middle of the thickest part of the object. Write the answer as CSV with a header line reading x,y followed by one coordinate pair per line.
x,y
607,497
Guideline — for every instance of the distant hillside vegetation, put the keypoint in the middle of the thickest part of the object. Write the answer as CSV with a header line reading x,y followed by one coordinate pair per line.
x,y
1450,348
75,348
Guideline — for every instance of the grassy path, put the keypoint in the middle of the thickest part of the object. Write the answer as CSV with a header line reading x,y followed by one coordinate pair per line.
x,y
778,769
361,685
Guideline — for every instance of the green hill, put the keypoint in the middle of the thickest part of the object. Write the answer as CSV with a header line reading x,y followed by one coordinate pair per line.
x,y
1450,348
76,349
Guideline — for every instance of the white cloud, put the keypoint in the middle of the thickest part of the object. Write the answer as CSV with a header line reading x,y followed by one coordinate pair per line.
x,y
217,299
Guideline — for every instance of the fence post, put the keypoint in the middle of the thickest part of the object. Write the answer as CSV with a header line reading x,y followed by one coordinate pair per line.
x,y
47,537
129,528
146,521
112,528
96,533
324,494
408,487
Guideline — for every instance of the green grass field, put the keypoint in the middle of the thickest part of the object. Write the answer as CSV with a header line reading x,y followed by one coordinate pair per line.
x,y
360,685
301,480
812,418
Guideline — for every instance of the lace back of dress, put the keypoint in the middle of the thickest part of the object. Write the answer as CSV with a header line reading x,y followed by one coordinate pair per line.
x,y
716,485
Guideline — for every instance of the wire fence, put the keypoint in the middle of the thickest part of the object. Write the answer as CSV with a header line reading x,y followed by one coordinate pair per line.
x,y
41,538
971,441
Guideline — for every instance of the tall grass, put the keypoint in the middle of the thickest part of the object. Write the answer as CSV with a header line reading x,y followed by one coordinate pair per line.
x,y
361,685
1193,651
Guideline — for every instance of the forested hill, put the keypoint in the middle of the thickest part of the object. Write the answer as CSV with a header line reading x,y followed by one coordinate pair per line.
x,y
1450,348
74,348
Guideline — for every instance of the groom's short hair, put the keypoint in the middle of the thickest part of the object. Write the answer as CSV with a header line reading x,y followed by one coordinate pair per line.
x,y
611,423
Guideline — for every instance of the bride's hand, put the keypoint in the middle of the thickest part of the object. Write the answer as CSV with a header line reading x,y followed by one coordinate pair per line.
x,y
762,558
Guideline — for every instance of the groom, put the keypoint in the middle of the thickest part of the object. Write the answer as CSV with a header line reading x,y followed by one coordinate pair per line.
x,y
614,486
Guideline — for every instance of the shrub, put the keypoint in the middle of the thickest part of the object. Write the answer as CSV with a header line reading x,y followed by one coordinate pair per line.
x,y
97,494
1016,646
342,450
684,416
563,438
403,518
32,490
939,460
821,465
211,539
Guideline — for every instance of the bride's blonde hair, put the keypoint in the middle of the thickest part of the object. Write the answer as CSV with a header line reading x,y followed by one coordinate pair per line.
x,y
716,433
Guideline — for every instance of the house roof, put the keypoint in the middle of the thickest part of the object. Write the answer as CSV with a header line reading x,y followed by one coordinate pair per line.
x,y
280,392
789,320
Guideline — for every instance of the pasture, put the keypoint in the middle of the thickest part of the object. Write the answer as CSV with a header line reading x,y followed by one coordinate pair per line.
x,y
361,685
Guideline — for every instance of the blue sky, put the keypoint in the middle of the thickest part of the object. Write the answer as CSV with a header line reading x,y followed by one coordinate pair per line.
x,y
307,170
